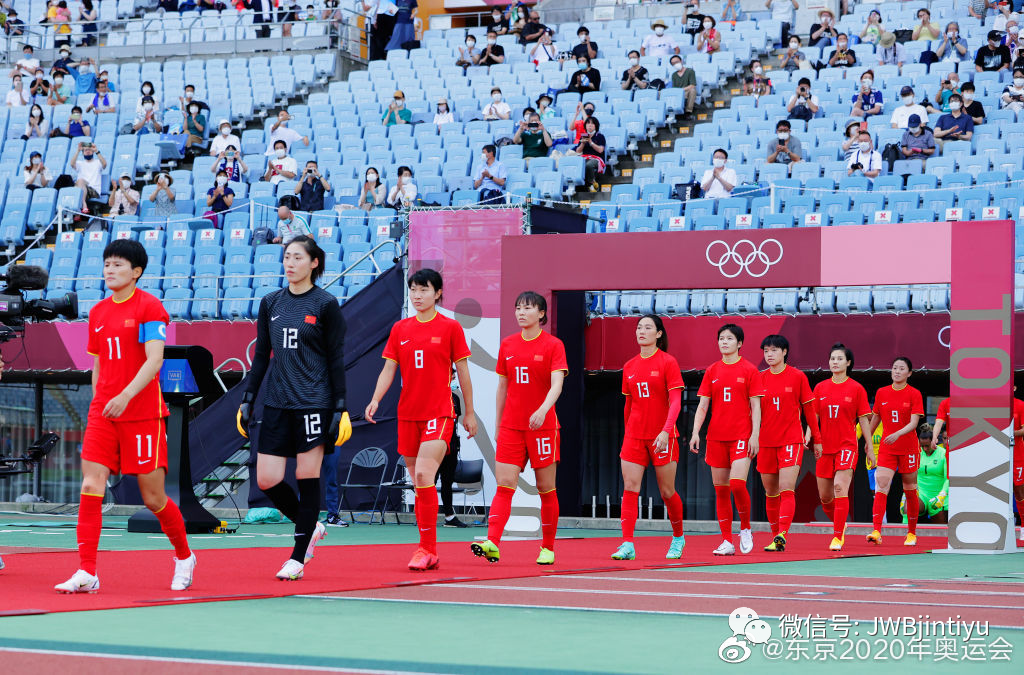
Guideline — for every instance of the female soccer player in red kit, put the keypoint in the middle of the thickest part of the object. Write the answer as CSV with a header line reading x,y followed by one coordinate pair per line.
x,y
424,347
841,403
785,392
126,432
653,386
1018,458
900,407
732,388
531,368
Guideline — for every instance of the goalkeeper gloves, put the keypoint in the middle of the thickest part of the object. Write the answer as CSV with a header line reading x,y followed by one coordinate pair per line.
x,y
244,414
341,425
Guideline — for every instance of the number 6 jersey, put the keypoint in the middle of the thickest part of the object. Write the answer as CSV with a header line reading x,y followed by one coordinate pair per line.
x,y
730,386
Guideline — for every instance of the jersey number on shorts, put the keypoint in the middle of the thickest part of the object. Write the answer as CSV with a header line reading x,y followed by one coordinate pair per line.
x,y
431,426
312,422
845,455
642,390
290,339
114,348
149,448
522,375
789,452
543,447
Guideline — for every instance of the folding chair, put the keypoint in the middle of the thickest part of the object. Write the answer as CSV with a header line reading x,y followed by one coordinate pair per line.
x,y
368,462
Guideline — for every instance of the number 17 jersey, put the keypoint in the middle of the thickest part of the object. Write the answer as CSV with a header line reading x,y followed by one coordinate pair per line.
x,y
839,406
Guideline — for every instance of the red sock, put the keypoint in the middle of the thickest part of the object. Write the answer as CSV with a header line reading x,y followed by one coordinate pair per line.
x,y
501,509
90,520
426,517
674,505
830,508
771,505
1020,511
628,514
840,510
913,509
173,526
878,509
723,509
548,518
787,508
742,498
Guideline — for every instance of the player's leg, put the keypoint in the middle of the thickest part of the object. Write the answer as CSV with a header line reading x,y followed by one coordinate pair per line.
x,y
883,479
632,479
270,479
1018,496
307,530
824,472
546,483
768,467
154,496
841,483
666,475
90,521
424,470
723,509
908,474
787,502
738,472
506,475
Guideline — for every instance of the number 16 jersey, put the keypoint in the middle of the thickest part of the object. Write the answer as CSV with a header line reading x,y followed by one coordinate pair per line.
x,y
527,366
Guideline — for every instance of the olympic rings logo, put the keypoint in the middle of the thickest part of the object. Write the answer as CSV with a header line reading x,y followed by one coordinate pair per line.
x,y
744,255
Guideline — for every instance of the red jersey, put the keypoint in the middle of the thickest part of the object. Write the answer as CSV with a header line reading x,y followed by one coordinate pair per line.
x,y
785,394
648,381
839,406
527,365
118,333
425,352
730,386
895,408
1018,414
943,414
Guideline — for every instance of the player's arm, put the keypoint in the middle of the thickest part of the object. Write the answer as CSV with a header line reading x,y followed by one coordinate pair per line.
x,y
675,404
755,426
698,422
626,410
937,431
554,391
499,400
466,385
384,380
149,370
95,372
915,419
334,329
811,415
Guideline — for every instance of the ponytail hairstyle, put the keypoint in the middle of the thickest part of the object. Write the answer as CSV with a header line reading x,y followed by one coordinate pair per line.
x,y
840,347
314,251
906,360
662,342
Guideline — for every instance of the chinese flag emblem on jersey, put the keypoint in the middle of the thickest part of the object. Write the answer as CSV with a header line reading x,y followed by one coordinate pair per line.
x,y
654,373
310,319
538,357
129,323
435,340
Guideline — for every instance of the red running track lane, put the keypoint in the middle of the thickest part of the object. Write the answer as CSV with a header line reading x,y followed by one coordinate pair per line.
x,y
708,593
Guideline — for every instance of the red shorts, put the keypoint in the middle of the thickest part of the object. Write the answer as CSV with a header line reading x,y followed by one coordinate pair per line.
x,y
129,448
515,446
1018,462
832,462
642,451
721,454
898,462
414,433
770,460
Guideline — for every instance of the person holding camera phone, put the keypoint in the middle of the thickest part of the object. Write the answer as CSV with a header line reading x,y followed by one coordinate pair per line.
x,y
868,101
311,188
163,197
949,85
803,105
957,125
534,138
866,161
1013,94
918,140
124,199
785,148
90,171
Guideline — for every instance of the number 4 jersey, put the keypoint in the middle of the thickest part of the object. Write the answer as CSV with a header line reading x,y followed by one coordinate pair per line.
x,y
527,366
118,333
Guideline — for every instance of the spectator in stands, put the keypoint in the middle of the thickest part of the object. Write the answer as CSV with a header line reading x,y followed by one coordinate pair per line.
x,y
1013,41
545,49
993,56
27,64
90,171
146,90
404,18
189,97
585,79
868,101
757,83
85,80
38,88
517,16
403,194
785,148
709,40
498,24
842,56
634,77
578,123
17,96
718,181
223,139
397,113
534,138
148,120
195,126
948,86
493,53
497,109
87,15
925,30
61,91
783,10
65,64
219,198
281,132
956,125
693,20
373,192
13,26
1003,16
850,144
873,28
544,108
289,224
918,140
36,175
973,108
102,102
824,33
62,31
585,47
104,77
979,8
592,147
532,29
281,166
443,115
1013,94
469,54
312,188
490,177
75,127
229,160
791,58
124,198
803,105
686,79
658,43
890,52
901,115
952,47
734,6
163,197
527,111
37,126
865,160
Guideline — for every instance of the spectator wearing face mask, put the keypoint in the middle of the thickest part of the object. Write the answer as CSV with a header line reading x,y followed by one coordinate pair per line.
x,y
219,198
397,113
592,148
65,64
27,65
577,124
890,52
229,160
783,11
693,20
586,78
949,85
289,224
38,88
90,171
498,24
1014,42
918,140
824,33
533,29
803,104
146,90
635,77
443,115
163,197
925,29
718,181
281,166
993,56
785,148
686,79
147,120
280,131
956,125
195,125
868,100
17,96
973,108
497,109
312,188
490,176
102,101
544,50
1013,95
873,29
709,40
36,175
373,192
901,115
850,143
188,98
865,160
62,89
757,83
534,138
734,6
842,56
468,54
37,126
544,108
953,47
492,53
75,127
403,194
14,26
791,58
124,199
658,43
585,47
